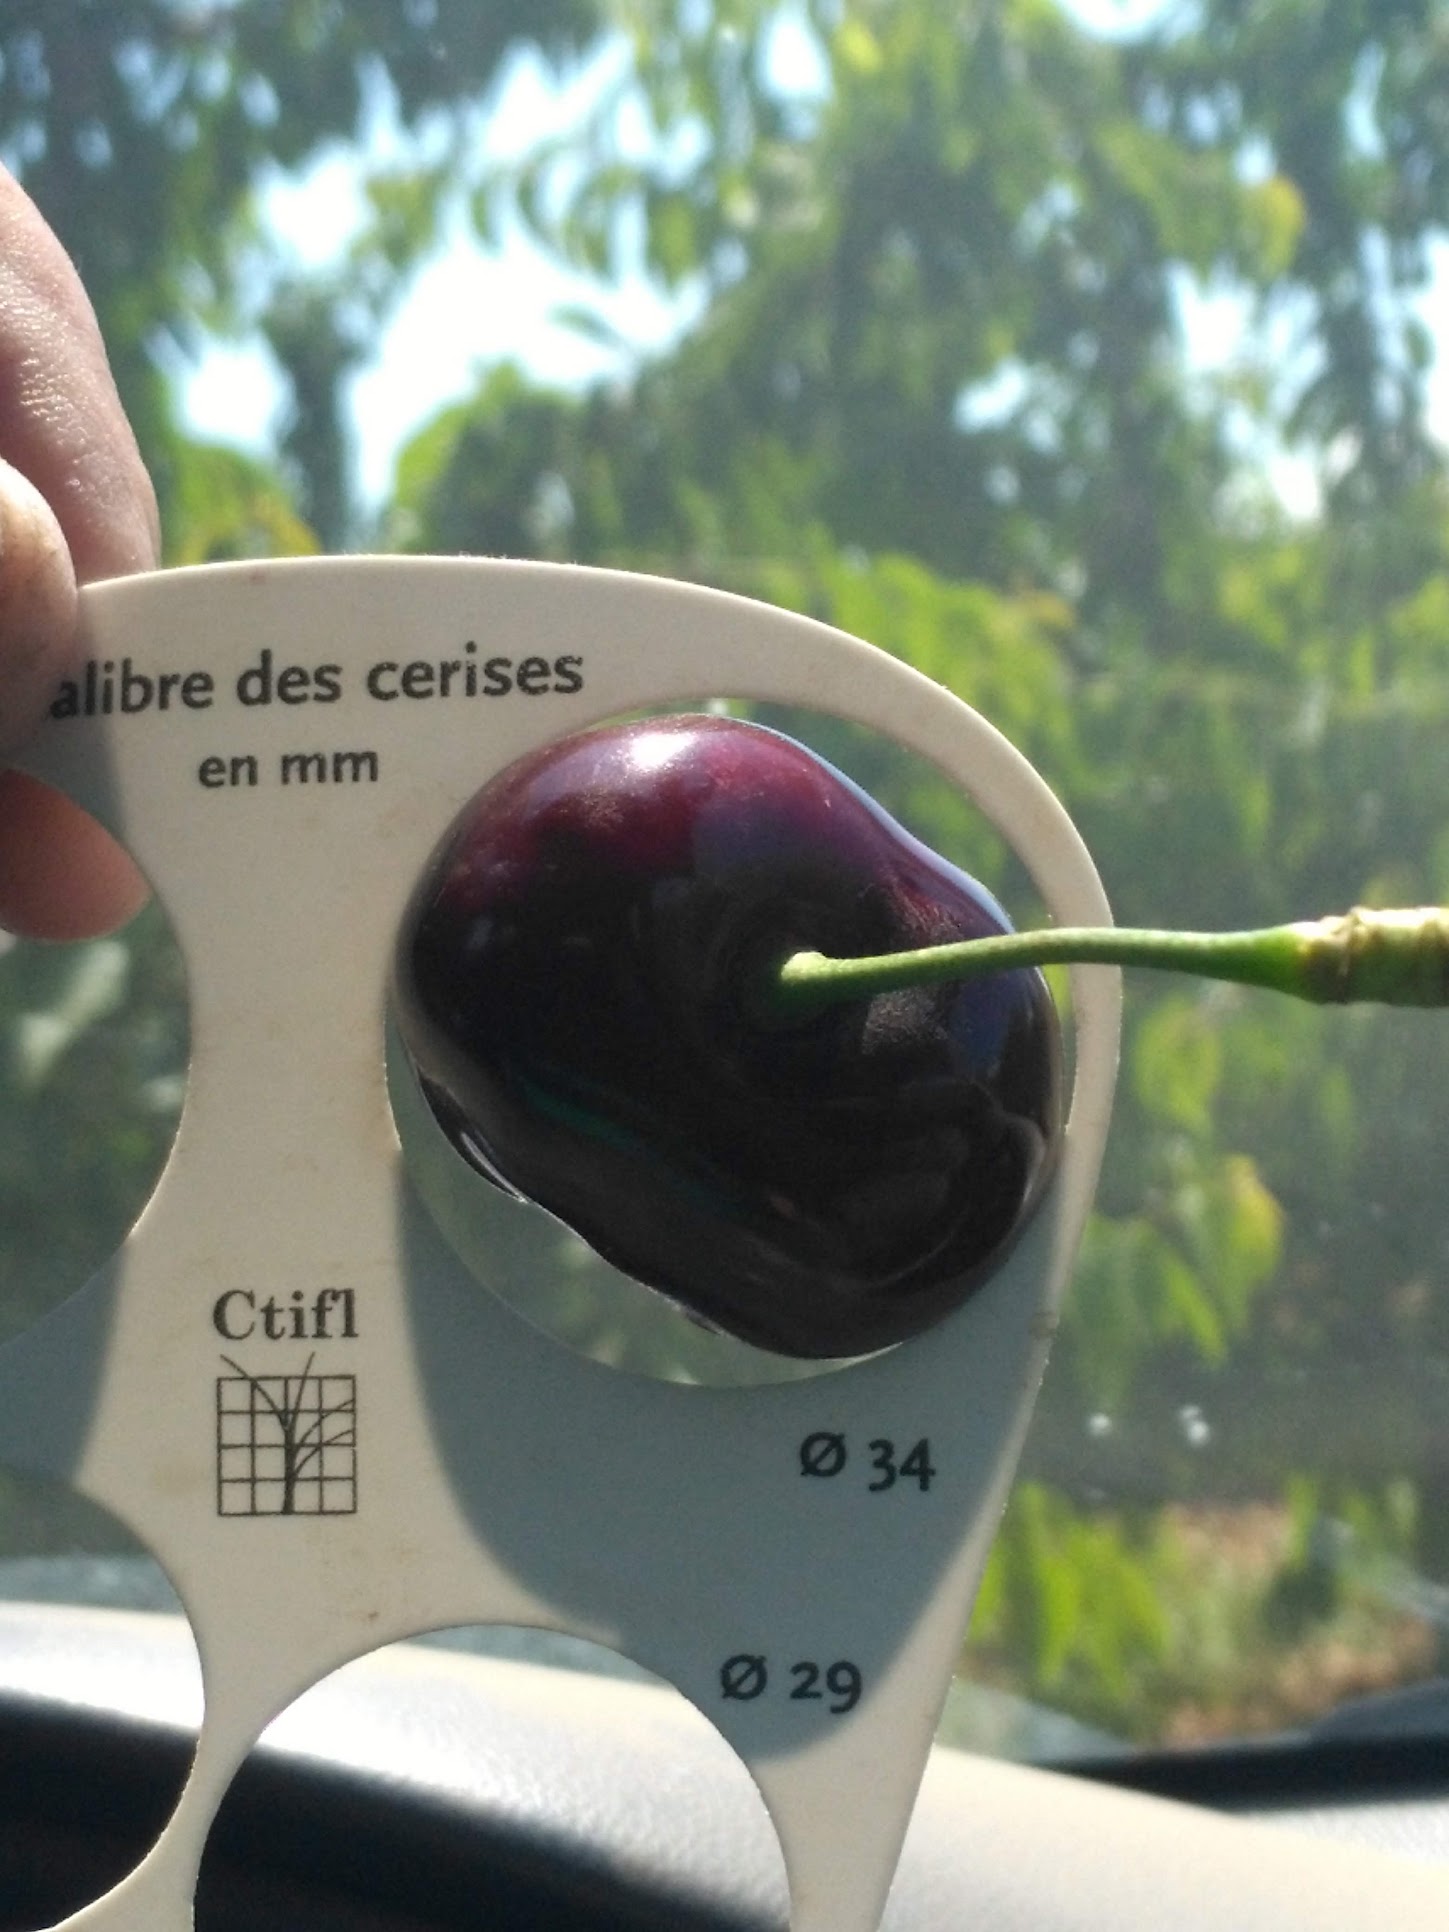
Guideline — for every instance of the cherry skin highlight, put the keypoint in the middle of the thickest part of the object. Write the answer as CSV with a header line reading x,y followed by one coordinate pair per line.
x,y
573,982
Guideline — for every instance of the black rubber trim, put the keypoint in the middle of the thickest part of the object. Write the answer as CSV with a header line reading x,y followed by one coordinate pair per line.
x,y
1252,1777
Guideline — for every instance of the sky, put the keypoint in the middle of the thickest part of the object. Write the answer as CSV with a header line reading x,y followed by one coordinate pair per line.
x,y
472,306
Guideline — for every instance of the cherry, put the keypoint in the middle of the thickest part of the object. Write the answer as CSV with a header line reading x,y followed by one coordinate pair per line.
x,y
574,983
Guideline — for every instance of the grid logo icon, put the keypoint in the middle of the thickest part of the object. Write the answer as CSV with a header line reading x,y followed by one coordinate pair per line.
x,y
286,1445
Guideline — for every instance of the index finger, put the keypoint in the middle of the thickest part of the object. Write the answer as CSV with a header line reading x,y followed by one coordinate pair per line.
x,y
76,504
61,421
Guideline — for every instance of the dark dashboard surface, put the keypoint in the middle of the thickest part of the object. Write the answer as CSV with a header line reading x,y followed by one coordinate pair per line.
x,y
423,1788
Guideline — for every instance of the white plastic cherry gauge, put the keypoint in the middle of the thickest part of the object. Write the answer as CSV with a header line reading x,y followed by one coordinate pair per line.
x,y
334,1434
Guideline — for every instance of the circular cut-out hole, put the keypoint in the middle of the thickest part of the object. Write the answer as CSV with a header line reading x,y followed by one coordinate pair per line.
x,y
93,1049
100,1701
493,1776
544,1270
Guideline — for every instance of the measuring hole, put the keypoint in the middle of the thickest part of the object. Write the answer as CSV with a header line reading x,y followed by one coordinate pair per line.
x,y
567,984
100,1701
93,1048
493,1776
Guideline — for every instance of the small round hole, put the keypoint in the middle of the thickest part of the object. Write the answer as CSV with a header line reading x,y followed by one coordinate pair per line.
x,y
493,1776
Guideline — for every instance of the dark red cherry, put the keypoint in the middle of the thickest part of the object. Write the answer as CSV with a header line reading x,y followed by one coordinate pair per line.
x,y
573,983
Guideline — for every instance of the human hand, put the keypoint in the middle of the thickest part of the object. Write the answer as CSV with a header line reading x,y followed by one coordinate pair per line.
x,y
76,504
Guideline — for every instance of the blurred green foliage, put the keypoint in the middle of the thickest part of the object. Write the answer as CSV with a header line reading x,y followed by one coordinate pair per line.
x,y
92,1053
941,393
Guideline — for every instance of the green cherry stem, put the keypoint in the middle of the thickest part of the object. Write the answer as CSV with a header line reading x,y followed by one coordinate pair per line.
x,y
1399,958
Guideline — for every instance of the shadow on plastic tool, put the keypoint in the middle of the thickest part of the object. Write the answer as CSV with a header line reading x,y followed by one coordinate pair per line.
x,y
625,1503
